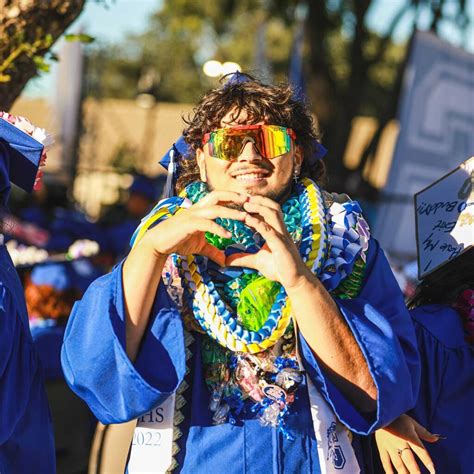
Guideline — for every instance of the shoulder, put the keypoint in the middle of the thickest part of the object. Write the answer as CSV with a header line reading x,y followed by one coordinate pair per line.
x,y
442,322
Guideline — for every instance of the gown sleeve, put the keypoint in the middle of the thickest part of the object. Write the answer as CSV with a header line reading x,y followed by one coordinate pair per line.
x,y
18,365
382,328
95,362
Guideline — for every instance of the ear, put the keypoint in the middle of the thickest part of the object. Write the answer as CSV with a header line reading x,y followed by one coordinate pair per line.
x,y
200,160
298,157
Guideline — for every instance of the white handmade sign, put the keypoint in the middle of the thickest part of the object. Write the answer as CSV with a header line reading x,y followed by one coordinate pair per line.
x,y
445,218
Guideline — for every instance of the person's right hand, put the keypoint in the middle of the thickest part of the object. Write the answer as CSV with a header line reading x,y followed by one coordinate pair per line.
x,y
184,232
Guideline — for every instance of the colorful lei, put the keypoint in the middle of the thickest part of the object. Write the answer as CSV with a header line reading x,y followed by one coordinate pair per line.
x,y
248,350
216,317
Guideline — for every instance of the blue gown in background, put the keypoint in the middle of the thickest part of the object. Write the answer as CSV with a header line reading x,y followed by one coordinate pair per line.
x,y
445,404
48,337
26,433
97,368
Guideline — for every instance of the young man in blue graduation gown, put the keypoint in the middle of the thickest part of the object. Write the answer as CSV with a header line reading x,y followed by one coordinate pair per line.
x,y
26,435
234,395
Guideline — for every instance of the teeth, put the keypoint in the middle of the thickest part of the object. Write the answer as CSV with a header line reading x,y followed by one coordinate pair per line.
x,y
250,176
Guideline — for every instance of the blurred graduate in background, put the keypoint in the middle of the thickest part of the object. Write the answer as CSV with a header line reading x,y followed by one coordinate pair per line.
x,y
50,293
26,433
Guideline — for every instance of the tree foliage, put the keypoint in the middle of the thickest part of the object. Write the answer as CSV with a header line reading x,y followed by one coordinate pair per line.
x,y
354,71
28,29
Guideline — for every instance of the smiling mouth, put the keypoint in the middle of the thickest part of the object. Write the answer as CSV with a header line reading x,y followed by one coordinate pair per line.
x,y
250,177
258,175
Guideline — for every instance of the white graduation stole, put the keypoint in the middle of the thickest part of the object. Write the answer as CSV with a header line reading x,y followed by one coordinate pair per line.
x,y
335,451
152,443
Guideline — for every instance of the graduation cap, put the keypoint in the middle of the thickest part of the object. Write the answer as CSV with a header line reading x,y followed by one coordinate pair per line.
x,y
56,275
69,226
148,187
20,156
179,150
444,212
62,276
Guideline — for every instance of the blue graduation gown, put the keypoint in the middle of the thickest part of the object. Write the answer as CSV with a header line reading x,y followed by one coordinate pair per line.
x,y
97,368
48,338
26,433
446,400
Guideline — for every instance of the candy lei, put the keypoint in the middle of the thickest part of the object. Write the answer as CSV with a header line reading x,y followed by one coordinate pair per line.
x,y
214,316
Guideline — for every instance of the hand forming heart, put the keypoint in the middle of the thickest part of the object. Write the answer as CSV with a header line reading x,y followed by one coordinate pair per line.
x,y
279,259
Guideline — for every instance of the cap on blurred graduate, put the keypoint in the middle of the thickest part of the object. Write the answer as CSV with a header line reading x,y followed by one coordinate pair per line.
x,y
147,187
63,276
22,145
58,276
70,225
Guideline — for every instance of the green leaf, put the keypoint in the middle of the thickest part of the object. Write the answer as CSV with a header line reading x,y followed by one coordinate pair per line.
x,y
82,38
48,40
41,64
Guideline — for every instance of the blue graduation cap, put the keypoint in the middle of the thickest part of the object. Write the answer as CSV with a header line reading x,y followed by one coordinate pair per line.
x,y
170,160
237,77
179,149
20,156
69,226
319,152
56,275
62,276
145,186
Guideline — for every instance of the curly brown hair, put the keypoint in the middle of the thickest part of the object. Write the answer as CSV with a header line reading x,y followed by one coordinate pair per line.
x,y
276,105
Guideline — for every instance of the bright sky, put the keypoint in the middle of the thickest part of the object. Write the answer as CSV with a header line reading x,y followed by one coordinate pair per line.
x,y
112,24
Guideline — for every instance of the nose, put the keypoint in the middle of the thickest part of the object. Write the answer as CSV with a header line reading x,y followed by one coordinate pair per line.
x,y
249,152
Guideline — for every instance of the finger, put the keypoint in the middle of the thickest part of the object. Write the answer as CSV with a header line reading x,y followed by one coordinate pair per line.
x,y
213,253
424,457
264,229
386,463
424,434
216,197
410,462
398,463
213,212
265,201
272,216
207,225
247,260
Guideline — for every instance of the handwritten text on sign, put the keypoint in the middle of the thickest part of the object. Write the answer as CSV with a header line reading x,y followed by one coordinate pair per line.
x,y
445,218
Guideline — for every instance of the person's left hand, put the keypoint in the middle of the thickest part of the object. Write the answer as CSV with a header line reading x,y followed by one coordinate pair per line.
x,y
398,441
279,259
